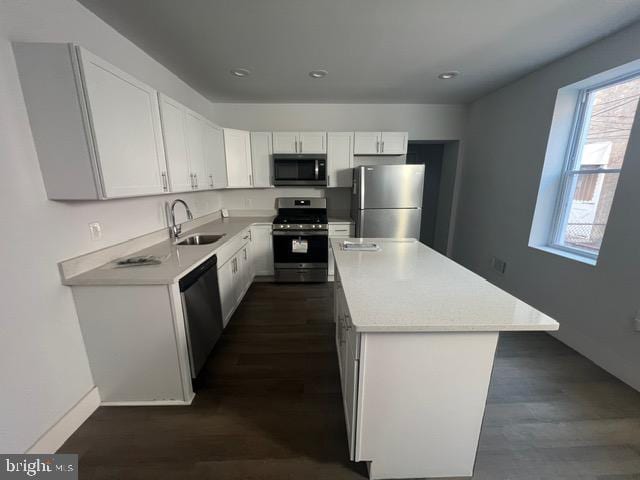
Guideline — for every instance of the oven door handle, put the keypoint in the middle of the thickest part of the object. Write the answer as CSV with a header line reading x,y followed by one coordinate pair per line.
x,y
301,233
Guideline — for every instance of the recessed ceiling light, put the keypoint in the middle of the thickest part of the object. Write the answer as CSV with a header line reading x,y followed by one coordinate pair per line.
x,y
240,72
318,73
448,75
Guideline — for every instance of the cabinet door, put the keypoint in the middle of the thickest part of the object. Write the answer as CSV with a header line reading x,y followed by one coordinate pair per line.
x,y
393,143
339,159
125,120
237,148
331,260
350,393
195,147
247,268
175,144
226,274
240,279
262,249
215,164
261,159
285,142
366,143
312,142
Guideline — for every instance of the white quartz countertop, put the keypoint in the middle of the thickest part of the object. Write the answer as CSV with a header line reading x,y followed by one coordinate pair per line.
x,y
179,261
408,287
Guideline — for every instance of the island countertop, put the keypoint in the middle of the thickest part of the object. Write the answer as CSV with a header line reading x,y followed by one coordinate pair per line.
x,y
409,287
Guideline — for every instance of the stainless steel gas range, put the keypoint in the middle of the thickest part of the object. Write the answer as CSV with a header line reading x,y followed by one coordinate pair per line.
x,y
301,240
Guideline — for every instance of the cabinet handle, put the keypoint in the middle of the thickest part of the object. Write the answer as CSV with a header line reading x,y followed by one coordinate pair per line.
x,y
328,180
245,253
382,147
196,177
211,181
165,187
192,182
250,180
300,146
377,146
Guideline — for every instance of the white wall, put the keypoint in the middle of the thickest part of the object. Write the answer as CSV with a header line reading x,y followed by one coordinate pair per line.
x,y
43,365
504,154
423,122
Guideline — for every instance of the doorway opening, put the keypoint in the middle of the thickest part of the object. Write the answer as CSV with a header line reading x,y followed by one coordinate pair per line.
x,y
441,164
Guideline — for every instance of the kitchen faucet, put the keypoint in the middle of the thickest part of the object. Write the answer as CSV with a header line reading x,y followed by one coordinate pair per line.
x,y
176,230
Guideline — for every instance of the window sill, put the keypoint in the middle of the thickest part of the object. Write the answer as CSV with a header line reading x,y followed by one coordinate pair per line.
x,y
566,254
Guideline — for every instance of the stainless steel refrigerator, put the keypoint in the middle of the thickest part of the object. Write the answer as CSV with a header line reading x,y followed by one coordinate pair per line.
x,y
386,200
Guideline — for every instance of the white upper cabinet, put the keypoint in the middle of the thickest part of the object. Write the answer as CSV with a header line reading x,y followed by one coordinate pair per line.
x,y
380,143
125,120
194,148
237,147
339,159
366,143
285,142
261,159
96,129
393,143
312,142
299,142
215,162
175,143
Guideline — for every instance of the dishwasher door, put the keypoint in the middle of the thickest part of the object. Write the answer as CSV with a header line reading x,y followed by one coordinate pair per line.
x,y
202,312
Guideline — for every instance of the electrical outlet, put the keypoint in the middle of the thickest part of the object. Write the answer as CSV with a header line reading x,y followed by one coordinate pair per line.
x,y
498,265
95,231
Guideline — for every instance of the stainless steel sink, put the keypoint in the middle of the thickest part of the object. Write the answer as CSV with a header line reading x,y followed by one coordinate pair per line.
x,y
199,239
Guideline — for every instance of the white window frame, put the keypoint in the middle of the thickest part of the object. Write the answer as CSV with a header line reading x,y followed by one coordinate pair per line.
x,y
572,168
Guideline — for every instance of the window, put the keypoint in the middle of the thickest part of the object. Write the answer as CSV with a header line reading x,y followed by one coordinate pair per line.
x,y
597,148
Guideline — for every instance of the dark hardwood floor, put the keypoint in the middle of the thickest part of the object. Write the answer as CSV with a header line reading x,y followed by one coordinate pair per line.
x,y
268,407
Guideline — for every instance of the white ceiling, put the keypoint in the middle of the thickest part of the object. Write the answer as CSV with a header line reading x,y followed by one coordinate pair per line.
x,y
376,51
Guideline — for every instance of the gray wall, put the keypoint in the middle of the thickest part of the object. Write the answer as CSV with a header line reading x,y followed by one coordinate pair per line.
x,y
504,152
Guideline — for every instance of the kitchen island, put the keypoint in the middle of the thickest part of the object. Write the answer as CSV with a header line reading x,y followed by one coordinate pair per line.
x,y
416,335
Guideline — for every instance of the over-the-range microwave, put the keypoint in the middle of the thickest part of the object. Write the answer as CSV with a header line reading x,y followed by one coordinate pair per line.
x,y
300,169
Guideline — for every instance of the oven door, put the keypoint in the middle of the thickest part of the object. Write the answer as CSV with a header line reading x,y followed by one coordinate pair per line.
x,y
299,170
300,256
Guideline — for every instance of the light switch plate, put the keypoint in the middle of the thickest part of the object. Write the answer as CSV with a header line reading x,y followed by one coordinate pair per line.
x,y
95,230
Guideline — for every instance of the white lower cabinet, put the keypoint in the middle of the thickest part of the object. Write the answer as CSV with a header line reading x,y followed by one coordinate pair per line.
x,y
348,347
262,249
337,230
226,279
235,276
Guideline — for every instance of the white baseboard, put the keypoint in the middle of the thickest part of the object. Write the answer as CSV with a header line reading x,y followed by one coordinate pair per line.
x,y
52,439
150,403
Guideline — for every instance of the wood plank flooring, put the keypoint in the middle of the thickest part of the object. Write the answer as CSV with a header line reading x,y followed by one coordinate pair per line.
x,y
268,407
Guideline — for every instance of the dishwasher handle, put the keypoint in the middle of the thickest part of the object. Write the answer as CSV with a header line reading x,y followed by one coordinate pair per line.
x,y
193,276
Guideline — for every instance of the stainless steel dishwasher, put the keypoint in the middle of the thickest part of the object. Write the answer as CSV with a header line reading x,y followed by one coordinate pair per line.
x,y
202,311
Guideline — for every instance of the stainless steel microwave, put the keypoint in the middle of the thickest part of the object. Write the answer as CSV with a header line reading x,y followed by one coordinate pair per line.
x,y
300,169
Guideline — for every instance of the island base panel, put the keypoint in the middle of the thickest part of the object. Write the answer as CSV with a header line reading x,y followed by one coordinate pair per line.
x,y
421,402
